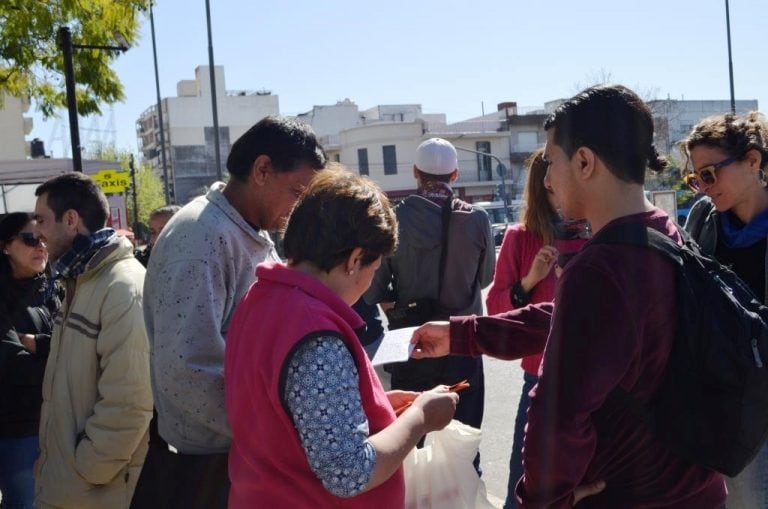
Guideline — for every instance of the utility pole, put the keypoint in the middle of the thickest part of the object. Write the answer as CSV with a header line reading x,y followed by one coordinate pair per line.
x,y
135,198
213,93
167,185
730,60
65,42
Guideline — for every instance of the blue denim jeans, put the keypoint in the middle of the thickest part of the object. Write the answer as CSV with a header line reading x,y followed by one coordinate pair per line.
x,y
17,455
516,460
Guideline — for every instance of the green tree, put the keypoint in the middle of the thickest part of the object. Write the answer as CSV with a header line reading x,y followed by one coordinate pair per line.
x,y
149,193
32,64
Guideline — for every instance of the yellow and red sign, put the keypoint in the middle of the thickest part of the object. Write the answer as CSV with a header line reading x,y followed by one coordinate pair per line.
x,y
111,181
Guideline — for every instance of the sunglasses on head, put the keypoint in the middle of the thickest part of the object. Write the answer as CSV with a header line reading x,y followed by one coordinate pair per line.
x,y
29,239
706,175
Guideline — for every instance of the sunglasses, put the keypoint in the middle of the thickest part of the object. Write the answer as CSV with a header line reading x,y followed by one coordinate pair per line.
x,y
707,175
29,239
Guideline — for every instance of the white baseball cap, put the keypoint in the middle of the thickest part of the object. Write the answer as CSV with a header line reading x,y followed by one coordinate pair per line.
x,y
436,156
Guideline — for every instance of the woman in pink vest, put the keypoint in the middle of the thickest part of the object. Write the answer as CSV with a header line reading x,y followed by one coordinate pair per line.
x,y
311,424
524,275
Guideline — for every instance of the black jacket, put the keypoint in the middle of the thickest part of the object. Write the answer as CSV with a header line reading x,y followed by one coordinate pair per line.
x,y
25,308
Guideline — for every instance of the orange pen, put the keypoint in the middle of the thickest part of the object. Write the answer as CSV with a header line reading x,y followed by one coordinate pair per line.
x,y
460,386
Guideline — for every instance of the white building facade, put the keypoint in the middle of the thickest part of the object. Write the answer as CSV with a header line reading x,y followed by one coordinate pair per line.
x,y
381,142
189,134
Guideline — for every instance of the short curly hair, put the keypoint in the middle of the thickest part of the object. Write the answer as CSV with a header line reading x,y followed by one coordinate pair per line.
x,y
337,212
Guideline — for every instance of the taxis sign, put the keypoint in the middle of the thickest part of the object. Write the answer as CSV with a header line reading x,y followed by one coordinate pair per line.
x,y
111,181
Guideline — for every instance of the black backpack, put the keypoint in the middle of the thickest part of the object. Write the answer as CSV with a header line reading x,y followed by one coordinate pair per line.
x,y
712,405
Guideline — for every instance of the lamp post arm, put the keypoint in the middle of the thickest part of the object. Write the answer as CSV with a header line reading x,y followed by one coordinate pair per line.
x,y
98,46
482,154
504,196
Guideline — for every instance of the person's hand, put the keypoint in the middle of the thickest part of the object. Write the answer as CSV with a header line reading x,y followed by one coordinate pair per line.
x,y
437,405
399,398
433,339
542,263
587,490
28,342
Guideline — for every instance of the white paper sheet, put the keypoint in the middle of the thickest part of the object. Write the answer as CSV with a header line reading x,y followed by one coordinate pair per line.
x,y
394,346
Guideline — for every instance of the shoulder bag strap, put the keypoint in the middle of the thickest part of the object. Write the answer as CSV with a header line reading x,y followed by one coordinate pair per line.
x,y
446,220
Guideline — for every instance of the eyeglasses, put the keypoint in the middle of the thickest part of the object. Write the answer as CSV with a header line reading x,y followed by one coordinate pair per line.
x,y
707,175
29,239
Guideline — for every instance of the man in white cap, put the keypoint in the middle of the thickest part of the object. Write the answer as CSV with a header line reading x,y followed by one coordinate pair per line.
x,y
409,285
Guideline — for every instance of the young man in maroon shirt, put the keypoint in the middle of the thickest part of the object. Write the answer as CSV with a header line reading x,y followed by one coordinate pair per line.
x,y
612,326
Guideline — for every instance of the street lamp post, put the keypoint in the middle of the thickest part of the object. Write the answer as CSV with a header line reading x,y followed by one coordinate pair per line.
x,y
167,186
501,170
135,197
212,75
730,60
67,48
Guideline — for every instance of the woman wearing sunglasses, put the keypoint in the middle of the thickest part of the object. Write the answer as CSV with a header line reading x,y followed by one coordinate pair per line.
x,y
728,155
28,301
524,274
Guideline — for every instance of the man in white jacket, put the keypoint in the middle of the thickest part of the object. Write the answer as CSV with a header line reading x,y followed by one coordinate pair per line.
x,y
201,266
97,400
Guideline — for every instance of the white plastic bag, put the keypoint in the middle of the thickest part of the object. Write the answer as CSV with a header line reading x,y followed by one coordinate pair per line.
x,y
441,475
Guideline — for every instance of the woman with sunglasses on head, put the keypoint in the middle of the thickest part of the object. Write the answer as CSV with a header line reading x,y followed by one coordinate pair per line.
x,y
728,155
524,275
28,301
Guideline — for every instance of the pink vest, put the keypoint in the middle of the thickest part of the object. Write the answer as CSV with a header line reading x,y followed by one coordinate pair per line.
x,y
267,465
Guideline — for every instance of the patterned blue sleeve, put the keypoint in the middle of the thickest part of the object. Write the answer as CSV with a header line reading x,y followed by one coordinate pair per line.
x,y
321,393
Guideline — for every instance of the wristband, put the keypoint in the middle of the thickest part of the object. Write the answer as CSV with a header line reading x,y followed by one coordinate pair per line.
x,y
518,295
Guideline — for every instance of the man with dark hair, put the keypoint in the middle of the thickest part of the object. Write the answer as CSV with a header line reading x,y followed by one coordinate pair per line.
x,y
412,272
612,327
97,400
201,266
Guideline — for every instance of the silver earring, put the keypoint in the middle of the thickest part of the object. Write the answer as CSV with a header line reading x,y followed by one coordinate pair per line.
x,y
350,272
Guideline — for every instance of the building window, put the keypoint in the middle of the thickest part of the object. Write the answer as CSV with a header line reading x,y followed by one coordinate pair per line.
x,y
362,161
484,166
527,141
390,159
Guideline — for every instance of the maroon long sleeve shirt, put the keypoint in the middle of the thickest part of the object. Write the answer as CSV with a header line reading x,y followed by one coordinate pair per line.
x,y
612,325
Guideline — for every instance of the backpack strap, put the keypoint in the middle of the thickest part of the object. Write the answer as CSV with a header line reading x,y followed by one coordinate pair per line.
x,y
635,234
445,214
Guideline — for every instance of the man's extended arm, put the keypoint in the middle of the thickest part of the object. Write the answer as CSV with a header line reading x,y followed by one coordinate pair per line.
x,y
511,335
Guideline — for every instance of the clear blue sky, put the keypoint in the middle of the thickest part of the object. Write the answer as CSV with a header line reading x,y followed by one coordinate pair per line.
x,y
448,56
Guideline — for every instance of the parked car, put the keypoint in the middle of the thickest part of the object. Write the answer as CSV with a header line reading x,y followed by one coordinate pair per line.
x,y
499,220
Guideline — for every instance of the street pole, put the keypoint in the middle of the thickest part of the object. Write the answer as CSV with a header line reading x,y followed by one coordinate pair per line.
x,y
213,92
65,42
135,199
730,61
501,171
167,185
